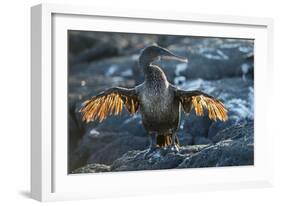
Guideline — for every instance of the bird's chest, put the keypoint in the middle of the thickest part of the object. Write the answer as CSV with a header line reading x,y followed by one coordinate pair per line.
x,y
156,103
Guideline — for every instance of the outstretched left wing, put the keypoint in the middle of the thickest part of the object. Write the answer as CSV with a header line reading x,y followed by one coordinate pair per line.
x,y
110,102
199,100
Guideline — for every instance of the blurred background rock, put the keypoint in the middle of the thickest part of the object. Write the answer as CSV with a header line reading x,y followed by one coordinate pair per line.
x,y
221,67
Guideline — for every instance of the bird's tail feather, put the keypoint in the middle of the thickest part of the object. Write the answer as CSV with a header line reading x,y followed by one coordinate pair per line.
x,y
166,140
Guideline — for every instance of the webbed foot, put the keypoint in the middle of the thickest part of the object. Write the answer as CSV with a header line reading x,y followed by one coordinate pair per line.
x,y
173,148
149,152
153,145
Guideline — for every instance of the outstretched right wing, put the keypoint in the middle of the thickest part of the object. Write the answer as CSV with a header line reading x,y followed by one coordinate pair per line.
x,y
110,102
199,100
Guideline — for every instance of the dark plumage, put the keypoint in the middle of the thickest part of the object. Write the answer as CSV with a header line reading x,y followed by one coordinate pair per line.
x,y
158,101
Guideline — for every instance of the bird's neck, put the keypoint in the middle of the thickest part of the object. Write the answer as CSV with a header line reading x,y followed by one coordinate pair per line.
x,y
155,77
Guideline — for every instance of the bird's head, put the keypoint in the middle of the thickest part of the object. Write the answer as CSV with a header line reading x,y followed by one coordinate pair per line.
x,y
155,53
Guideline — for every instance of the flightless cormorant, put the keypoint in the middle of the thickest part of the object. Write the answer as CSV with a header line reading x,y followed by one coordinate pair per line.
x,y
158,101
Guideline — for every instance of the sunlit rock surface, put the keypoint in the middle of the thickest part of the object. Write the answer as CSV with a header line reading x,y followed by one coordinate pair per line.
x,y
235,148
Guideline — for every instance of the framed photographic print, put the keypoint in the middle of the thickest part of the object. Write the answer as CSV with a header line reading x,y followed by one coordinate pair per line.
x,y
138,102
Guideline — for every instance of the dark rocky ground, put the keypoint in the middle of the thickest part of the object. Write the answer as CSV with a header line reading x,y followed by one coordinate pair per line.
x,y
220,67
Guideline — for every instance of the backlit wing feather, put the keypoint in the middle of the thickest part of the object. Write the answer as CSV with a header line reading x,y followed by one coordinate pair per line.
x,y
200,101
109,102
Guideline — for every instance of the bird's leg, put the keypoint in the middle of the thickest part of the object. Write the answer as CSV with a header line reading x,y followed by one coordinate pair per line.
x,y
153,143
173,146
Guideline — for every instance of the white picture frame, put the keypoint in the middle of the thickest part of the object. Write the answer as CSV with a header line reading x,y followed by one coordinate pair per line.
x,y
49,178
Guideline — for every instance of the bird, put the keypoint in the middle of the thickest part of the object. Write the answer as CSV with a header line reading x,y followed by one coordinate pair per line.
x,y
157,100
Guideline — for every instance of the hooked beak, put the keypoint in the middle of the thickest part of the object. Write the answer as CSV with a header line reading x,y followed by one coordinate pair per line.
x,y
167,55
